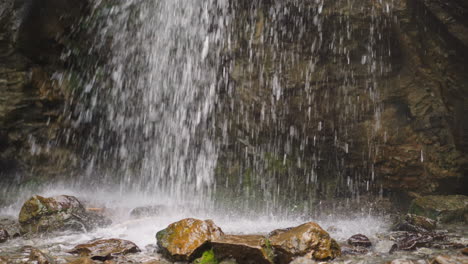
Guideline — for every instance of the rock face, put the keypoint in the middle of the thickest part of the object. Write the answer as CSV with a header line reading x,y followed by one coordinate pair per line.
x,y
296,92
248,249
445,209
105,249
184,240
33,35
39,215
307,240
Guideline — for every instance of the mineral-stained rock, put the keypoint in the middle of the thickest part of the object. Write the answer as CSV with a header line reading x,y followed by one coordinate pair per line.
x,y
359,240
105,249
445,209
4,236
185,240
249,249
40,214
307,240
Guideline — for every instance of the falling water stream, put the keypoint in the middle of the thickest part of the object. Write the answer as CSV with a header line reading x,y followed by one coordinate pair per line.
x,y
157,104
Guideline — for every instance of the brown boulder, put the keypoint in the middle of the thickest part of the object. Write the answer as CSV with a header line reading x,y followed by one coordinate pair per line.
x,y
307,240
185,240
105,249
247,249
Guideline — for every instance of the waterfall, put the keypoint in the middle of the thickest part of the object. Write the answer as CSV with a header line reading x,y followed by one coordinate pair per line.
x,y
148,91
252,103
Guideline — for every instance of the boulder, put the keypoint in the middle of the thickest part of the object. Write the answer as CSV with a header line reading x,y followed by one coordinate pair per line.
x,y
307,240
40,215
445,209
187,239
360,241
105,249
246,249
4,236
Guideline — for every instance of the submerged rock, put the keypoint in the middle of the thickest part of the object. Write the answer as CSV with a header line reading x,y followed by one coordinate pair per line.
x,y
4,236
360,241
246,249
185,240
40,214
105,249
145,211
307,240
445,209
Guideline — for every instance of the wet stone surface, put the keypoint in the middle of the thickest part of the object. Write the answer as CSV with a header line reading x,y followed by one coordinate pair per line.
x,y
360,241
105,249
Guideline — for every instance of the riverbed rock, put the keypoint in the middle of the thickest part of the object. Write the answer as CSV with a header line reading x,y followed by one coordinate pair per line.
x,y
353,250
185,240
415,223
465,251
359,240
11,226
450,260
105,249
307,240
4,236
83,260
38,257
42,215
245,249
408,261
445,209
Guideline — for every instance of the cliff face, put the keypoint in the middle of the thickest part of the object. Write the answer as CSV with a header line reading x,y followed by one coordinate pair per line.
x,y
359,97
32,93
